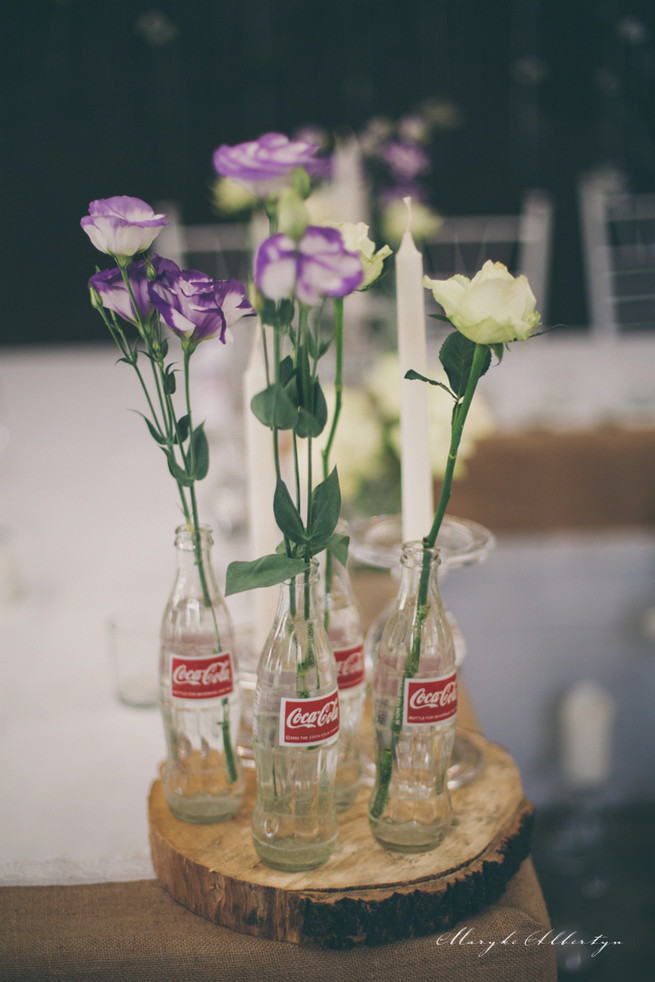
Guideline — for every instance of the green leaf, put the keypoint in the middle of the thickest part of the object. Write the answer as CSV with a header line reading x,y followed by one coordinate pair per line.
x,y
411,374
316,347
456,356
154,432
499,351
170,383
180,475
200,452
266,571
312,417
325,510
274,408
183,428
338,545
287,370
277,314
287,515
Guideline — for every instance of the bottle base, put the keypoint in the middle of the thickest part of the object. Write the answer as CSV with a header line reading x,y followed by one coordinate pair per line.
x,y
293,855
408,836
203,809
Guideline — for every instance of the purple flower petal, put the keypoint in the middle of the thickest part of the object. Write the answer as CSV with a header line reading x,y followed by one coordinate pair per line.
x,y
122,226
276,267
316,267
263,166
192,304
111,288
231,296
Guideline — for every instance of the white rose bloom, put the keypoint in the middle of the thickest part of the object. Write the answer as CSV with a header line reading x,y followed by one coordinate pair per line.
x,y
492,308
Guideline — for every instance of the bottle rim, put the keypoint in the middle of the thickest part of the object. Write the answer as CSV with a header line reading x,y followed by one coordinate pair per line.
x,y
412,553
184,536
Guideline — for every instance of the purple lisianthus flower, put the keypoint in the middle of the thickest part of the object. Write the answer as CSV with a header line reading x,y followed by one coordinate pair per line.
x,y
405,160
264,166
111,288
192,305
122,226
315,267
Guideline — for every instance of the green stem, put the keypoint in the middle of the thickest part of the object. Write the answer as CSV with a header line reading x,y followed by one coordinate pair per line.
x,y
325,453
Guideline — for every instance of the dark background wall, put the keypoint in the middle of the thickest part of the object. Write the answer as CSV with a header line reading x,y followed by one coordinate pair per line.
x,y
133,97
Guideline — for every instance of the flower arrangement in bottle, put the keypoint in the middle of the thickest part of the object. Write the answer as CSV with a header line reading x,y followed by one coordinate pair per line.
x,y
142,302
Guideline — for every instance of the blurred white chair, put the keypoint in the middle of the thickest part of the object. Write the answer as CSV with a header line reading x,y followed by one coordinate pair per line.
x,y
618,234
220,249
522,242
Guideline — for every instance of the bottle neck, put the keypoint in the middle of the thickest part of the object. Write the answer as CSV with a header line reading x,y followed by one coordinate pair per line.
x,y
299,596
195,574
414,572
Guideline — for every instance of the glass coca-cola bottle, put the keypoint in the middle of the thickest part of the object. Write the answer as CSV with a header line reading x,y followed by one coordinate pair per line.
x,y
414,712
343,623
295,733
198,689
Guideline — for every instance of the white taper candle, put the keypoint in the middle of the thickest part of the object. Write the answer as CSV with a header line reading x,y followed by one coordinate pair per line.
x,y
264,533
416,477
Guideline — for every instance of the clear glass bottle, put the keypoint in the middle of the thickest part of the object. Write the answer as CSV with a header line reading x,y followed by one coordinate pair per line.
x,y
296,733
414,712
198,689
343,624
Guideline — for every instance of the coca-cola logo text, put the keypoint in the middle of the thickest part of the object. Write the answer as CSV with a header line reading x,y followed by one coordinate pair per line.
x,y
430,700
309,721
202,678
350,666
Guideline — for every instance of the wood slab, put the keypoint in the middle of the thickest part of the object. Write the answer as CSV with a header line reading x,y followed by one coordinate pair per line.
x,y
364,894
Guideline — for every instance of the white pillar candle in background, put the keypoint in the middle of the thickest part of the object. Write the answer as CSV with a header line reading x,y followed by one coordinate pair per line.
x,y
587,717
416,478
260,466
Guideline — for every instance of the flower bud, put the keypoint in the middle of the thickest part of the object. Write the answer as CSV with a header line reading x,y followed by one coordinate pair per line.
x,y
94,296
292,213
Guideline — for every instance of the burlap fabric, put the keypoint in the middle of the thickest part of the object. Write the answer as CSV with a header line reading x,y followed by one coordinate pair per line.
x,y
134,932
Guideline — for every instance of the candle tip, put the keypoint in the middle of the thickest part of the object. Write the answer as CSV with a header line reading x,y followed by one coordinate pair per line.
x,y
407,201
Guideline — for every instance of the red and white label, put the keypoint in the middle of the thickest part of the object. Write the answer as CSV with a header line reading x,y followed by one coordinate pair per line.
x,y
430,700
350,666
202,678
306,722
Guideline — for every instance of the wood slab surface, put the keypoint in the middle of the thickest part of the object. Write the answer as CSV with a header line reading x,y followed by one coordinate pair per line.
x,y
364,894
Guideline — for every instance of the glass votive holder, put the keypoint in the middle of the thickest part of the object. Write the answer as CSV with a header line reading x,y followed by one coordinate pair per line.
x,y
133,646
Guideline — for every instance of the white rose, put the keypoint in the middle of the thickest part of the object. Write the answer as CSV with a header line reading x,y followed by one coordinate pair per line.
x,y
492,308
355,239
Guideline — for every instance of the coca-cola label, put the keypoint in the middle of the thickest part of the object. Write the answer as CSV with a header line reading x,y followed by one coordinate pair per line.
x,y
350,666
430,700
202,678
306,722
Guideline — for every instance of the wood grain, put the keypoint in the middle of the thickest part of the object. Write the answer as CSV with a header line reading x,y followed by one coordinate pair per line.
x,y
364,894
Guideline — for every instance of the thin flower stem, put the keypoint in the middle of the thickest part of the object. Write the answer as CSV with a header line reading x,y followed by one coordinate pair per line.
x,y
325,453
